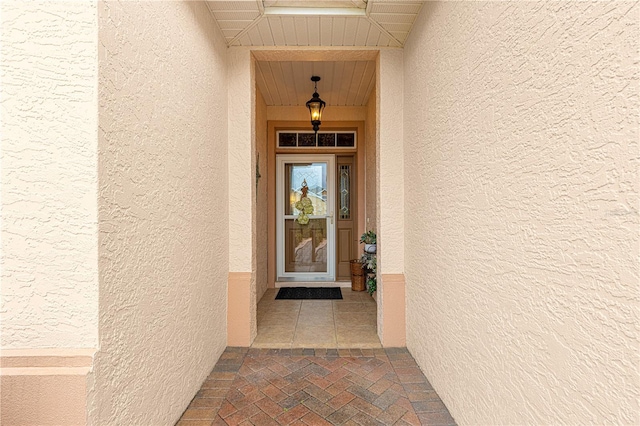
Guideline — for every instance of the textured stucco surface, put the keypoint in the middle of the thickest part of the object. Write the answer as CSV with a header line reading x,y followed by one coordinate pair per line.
x,y
370,163
163,227
262,248
331,113
49,175
389,173
242,170
390,162
521,213
241,159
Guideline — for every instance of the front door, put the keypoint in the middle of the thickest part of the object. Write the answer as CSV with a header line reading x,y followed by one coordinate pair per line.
x,y
305,228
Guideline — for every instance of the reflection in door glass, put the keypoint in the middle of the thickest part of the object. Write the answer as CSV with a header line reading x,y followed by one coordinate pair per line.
x,y
305,241
306,139
315,176
305,246
287,139
326,139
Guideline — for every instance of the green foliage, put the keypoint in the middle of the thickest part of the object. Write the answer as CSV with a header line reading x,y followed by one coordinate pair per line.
x,y
369,262
370,265
371,284
368,237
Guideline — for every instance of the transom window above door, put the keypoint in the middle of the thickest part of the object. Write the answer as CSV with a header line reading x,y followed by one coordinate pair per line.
x,y
307,139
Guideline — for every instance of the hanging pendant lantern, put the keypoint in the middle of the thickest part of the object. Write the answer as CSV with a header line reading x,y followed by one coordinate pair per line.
x,y
316,106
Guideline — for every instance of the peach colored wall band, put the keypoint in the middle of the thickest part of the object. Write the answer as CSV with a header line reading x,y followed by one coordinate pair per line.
x,y
239,309
394,319
44,386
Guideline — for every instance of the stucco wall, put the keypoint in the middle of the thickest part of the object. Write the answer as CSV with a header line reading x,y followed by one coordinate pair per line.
x,y
49,175
390,190
331,113
241,111
262,248
163,227
241,183
521,153
390,162
371,137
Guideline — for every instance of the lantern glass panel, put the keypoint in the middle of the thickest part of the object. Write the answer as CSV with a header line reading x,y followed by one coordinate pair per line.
x,y
315,108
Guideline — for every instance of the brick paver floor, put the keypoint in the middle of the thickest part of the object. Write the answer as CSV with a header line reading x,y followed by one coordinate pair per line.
x,y
316,387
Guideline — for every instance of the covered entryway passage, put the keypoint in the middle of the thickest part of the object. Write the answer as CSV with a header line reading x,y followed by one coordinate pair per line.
x,y
341,173
495,156
332,172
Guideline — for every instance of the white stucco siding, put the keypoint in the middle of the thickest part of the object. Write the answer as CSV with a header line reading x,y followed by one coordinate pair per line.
x,y
389,175
371,186
521,212
163,210
390,162
241,154
49,289
262,224
242,197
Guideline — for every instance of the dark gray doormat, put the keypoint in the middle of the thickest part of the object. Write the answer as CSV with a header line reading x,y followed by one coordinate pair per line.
x,y
304,293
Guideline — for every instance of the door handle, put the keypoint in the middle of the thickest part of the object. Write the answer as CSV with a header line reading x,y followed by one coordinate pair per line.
x,y
331,217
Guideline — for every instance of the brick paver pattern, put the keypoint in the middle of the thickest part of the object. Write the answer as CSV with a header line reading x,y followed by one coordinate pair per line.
x,y
316,387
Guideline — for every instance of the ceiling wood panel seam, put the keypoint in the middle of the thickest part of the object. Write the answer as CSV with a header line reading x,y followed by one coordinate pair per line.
x,y
385,32
380,17
246,30
367,10
216,21
413,22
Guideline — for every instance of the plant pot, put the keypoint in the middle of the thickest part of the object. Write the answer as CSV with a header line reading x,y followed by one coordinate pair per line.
x,y
370,248
357,276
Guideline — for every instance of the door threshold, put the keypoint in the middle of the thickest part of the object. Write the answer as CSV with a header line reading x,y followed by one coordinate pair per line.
x,y
280,284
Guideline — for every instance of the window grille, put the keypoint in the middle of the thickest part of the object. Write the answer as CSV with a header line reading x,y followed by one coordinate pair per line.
x,y
307,139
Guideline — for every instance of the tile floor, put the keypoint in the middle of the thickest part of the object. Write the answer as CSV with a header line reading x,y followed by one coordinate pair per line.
x,y
251,386
346,323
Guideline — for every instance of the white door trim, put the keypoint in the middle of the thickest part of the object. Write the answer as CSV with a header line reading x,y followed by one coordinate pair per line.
x,y
281,275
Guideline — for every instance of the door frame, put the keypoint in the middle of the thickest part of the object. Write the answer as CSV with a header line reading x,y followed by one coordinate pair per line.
x,y
281,160
272,150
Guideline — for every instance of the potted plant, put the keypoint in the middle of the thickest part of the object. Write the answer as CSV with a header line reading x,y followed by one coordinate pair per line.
x,y
369,264
371,285
357,275
370,241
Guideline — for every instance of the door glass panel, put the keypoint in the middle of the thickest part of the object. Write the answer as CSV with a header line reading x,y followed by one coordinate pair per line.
x,y
326,139
287,139
346,139
313,176
345,196
306,139
305,246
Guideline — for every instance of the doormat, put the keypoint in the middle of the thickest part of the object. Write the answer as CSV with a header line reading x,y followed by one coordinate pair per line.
x,y
304,293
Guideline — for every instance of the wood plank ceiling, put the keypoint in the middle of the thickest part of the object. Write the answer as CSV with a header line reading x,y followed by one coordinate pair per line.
x,y
342,23
381,23
344,83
